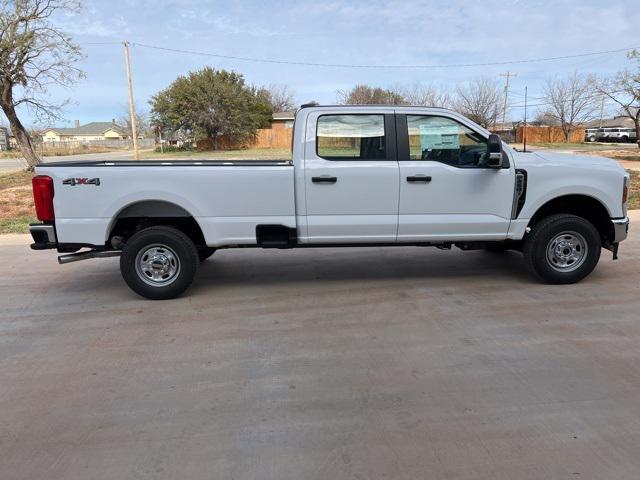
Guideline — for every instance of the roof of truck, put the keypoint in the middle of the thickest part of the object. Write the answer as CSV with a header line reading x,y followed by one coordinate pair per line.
x,y
350,105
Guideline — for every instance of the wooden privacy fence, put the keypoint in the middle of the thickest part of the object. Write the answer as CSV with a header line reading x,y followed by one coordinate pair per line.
x,y
548,135
265,138
270,138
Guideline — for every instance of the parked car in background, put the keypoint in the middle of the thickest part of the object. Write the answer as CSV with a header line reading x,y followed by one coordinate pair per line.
x,y
590,134
359,175
626,135
616,135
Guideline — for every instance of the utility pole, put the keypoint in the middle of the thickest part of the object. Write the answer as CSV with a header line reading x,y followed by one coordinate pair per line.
x,y
132,109
601,110
506,93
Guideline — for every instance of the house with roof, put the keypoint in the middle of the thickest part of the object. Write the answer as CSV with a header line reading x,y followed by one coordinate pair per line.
x,y
85,133
282,120
615,122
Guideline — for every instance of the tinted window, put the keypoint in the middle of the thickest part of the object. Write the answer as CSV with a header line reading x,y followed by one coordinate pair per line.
x,y
444,140
351,137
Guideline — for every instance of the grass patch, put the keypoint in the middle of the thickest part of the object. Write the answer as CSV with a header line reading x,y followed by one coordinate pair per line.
x,y
634,191
15,179
244,154
618,149
562,145
60,151
16,224
16,202
626,154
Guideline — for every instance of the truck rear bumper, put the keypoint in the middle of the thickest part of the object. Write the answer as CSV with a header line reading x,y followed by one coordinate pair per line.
x,y
44,236
620,229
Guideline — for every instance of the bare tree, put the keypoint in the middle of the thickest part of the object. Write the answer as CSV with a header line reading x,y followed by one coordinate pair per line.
x,y
143,126
34,54
624,90
570,101
366,95
280,97
427,95
479,100
544,117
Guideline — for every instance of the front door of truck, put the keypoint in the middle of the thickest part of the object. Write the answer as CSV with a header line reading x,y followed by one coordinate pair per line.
x,y
351,177
447,192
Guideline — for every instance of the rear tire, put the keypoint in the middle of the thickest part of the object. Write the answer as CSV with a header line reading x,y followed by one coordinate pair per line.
x,y
562,249
159,262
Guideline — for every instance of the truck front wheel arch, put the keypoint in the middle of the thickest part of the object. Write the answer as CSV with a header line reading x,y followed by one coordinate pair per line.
x,y
582,206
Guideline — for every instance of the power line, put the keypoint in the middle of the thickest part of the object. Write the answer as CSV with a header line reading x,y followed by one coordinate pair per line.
x,y
344,65
100,43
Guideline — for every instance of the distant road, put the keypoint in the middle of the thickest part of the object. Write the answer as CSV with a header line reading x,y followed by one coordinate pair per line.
x,y
18,163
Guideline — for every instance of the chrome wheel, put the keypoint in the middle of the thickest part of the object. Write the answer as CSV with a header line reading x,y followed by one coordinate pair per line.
x,y
566,251
157,265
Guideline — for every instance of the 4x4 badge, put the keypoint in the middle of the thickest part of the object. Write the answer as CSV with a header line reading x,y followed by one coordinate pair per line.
x,y
81,181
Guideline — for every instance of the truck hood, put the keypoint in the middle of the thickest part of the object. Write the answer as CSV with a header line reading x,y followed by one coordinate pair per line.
x,y
542,158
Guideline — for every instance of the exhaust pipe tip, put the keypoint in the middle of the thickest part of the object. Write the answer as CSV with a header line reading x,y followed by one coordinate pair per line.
x,y
76,257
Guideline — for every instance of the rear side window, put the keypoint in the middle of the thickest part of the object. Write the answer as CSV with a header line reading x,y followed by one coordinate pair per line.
x,y
351,137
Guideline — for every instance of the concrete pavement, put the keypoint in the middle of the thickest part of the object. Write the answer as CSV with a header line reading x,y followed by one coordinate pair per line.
x,y
396,363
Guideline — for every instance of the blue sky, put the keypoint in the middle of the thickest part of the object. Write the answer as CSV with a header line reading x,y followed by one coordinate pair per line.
x,y
360,32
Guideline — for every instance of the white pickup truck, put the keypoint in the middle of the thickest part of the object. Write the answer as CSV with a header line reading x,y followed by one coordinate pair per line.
x,y
359,175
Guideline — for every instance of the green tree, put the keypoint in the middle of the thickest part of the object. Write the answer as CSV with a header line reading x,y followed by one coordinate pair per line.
x,y
34,54
211,103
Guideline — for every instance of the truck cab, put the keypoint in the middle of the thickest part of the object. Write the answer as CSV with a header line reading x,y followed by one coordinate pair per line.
x,y
401,175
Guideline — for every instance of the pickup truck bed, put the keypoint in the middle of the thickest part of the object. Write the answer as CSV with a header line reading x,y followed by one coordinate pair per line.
x,y
226,198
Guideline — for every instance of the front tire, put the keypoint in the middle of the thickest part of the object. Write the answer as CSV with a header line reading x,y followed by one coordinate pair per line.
x,y
562,249
159,262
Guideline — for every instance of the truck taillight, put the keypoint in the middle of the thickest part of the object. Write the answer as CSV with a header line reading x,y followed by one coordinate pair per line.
x,y
625,191
43,197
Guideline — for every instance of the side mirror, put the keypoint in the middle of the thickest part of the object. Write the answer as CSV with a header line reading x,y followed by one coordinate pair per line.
x,y
494,151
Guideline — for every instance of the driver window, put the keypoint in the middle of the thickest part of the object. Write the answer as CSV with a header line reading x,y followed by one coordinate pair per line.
x,y
444,140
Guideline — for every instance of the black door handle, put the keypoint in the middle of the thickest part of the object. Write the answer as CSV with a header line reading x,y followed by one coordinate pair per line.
x,y
418,179
324,179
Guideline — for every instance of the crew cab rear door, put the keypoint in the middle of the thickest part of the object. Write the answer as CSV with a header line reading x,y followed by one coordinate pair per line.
x,y
447,192
351,176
